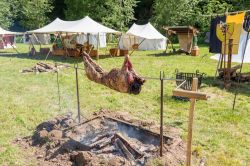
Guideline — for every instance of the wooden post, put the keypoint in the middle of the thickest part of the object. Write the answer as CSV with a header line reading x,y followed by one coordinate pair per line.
x,y
193,95
229,64
190,122
225,53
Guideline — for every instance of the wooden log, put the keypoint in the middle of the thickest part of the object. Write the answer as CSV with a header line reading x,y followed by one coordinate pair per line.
x,y
124,150
190,94
27,70
100,143
46,65
233,69
42,69
100,137
128,146
106,150
104,143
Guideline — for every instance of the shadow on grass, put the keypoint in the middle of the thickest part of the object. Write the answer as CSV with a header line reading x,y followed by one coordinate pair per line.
x,y
242,88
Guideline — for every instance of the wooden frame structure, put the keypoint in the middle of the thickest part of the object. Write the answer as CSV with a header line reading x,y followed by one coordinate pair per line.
x,y
185,36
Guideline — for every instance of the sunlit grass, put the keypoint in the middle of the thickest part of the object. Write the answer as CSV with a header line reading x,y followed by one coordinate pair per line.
x,y
220,133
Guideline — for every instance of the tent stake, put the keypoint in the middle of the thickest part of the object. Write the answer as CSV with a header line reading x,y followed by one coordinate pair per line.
x,y
218,65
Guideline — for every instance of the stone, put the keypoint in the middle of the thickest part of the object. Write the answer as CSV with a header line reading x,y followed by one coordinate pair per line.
x,y
39,156
55,134
43,133
81,158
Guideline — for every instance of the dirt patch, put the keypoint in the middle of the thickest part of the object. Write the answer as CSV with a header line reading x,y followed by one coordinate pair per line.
x,y
107,138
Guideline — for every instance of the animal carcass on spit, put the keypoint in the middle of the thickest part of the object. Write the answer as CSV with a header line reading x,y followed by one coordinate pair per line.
x,y
124,80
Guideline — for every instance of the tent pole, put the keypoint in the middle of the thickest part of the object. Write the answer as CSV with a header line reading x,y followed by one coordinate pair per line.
x,y
118,44
37,40
52,48
98,40
15,49
66,49
236,93
31,43
224,60
138,46
217,68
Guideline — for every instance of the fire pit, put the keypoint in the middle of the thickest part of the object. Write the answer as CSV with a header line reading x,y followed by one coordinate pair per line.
x,y
105,135
102,140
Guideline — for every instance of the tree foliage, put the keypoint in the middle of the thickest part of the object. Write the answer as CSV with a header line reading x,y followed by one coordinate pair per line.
x,y
144,11
7,12
34,14
113,13
58,9
191,12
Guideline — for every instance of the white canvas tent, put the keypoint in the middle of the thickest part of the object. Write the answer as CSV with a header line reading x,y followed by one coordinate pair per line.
x,y
89,26
6,37
55,26
93,39
40,38
5,32
96,30
84,26
238,58
145,35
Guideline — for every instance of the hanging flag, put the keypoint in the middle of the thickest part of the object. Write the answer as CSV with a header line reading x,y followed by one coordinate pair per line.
x,y
246,24
238,21
224,30
214,42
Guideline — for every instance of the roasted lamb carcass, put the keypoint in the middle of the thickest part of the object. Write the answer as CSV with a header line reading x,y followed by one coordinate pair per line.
x,y
124,80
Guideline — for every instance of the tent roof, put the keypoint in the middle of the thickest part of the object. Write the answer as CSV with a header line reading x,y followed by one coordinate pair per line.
x,y
146,31
85,25
57,25
5,32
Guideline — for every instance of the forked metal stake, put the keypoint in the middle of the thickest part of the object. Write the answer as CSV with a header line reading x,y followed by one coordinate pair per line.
x,y
77,94
161,114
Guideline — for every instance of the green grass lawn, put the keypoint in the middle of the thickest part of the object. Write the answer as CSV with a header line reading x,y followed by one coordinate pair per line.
x,y
221,134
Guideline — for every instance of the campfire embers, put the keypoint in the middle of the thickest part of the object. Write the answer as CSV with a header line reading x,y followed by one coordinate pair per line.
x,y
44,67
102,140
118,138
